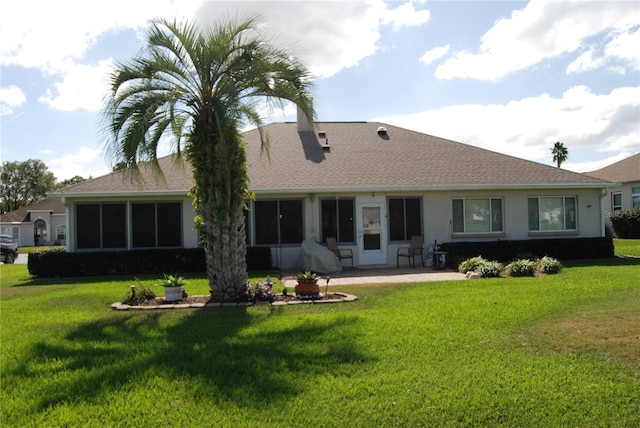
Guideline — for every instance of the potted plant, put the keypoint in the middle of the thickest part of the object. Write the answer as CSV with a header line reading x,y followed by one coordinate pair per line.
x,y
307,284
172,287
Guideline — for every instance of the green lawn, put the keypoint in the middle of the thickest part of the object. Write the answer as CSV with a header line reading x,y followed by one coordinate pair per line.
x,y
627,247
560,350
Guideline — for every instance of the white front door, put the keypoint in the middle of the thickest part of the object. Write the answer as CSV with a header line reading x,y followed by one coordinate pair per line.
x,y
372,235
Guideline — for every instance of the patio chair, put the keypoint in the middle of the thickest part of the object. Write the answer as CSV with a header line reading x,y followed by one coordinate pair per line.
x,y
411,252
341,253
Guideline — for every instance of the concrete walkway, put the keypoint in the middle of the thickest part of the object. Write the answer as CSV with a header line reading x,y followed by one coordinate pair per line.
x,y
379,275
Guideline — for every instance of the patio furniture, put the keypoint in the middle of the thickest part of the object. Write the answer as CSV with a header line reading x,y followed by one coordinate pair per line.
x,y
341,253
411,252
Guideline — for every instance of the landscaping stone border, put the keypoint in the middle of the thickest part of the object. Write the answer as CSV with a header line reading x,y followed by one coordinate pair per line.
x,y
344,297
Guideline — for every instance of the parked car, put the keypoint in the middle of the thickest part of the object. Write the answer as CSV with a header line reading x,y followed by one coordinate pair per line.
x,y
8,249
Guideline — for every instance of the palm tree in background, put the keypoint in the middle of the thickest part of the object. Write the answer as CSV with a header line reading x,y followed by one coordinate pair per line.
x,y
198,87
560,153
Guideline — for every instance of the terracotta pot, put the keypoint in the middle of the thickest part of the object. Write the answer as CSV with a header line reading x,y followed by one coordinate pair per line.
x,y
307,288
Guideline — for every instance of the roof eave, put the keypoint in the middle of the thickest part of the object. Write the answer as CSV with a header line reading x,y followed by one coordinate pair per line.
x,y
438,188
127,194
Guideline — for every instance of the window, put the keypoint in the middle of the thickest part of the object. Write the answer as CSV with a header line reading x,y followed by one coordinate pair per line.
x,y
405,218
104,225
616,201
13,231
101,225
61,232
156,225
635,197
278,221
337,219
477,215
553,213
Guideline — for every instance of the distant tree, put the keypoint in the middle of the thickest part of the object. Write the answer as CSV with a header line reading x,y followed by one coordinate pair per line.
x,y
69,181
560,153
22,183
120,166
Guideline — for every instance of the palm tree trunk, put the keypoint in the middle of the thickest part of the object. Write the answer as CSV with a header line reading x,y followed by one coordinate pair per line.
x,y
221,181
225,256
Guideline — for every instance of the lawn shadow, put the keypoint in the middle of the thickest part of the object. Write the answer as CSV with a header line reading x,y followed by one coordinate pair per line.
x,y
229,353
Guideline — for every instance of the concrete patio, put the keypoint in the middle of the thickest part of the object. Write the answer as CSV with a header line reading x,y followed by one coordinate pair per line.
x,y
379,275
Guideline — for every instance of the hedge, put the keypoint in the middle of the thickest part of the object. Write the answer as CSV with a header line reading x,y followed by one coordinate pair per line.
x,y
58,263
506,251
626,223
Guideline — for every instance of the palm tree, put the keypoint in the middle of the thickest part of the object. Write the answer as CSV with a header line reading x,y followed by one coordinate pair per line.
x,y
560,153
198,87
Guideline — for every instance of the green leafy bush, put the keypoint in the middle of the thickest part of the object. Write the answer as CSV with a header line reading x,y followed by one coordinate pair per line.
x,y
521,267
626,223
138,294
472,264
490,269
549,265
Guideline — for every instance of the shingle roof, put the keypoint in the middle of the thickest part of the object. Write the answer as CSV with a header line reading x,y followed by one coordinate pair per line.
x,y
358,159
627,169
21,215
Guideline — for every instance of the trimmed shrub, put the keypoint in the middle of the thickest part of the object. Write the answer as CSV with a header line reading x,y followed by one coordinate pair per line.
x,y
58,263
521,267
626,223
549,265
490,269
505,251
471,265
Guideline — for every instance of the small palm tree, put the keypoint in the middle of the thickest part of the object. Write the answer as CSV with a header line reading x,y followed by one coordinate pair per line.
x,y
560,153
200,87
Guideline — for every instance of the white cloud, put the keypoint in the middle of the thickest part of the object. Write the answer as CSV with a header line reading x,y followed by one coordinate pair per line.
x,y
434,54
528,127
585,62
83,87
47,38
406,15
86,162
10,98
328,36
542,30
624,46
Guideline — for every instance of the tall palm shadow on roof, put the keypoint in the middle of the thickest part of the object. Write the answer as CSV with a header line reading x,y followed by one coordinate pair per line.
x,y
311,146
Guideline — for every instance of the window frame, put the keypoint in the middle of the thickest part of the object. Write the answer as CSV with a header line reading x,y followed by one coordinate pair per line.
x,y
344,227
491,223
564,214
392,223
119,232
635,197
278,221
616,207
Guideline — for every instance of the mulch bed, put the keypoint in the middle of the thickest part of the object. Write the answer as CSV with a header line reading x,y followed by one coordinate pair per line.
x,y
206,301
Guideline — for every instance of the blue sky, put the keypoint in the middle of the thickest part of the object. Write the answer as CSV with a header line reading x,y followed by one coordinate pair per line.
x,y
509,76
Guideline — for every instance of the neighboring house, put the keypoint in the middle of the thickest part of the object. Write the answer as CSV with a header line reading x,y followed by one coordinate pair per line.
x,y
627,173
39,223
370,185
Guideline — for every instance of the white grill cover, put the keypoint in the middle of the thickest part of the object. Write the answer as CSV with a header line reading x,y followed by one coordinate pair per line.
x,y
318,258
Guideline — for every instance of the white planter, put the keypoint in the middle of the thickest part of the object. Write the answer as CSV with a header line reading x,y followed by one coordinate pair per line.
x,y
172,294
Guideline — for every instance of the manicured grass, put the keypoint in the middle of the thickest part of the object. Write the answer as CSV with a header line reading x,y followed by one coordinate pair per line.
x,y
559,350
627,247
